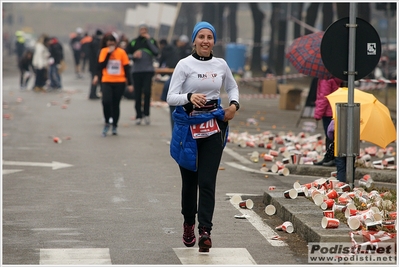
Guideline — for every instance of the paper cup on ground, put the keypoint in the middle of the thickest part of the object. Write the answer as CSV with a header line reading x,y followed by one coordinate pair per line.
x,y
297,185
274,168
353,223
268,157
288,227
328,213
327,204
332,194
235,199
246,204
303,191
350,212
318,199
327,222
292,193
270,209
284,172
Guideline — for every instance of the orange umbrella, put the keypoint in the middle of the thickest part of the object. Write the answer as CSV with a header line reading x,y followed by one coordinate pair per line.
x,y
376,124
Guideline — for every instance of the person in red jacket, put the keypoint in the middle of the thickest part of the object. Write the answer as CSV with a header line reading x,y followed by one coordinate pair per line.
x,y
323,111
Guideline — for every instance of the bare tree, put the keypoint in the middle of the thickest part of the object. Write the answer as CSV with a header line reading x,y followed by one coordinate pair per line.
x,y
257,16
232,21
278,24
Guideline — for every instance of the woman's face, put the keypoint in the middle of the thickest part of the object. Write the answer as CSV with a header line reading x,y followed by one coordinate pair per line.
x,y
204,42
111,43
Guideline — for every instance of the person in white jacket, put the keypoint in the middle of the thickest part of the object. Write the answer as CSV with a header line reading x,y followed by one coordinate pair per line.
x,y
40,62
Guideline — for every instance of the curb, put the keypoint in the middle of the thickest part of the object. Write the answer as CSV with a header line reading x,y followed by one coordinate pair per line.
x,y
307,219
386,176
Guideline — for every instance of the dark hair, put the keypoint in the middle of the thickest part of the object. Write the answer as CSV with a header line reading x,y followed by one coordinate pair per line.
x,y
107,37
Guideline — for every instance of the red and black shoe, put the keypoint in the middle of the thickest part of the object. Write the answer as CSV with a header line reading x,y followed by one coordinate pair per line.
x,y
188,235
205,242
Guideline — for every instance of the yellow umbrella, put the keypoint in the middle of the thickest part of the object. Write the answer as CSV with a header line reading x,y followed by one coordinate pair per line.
x,y
376,124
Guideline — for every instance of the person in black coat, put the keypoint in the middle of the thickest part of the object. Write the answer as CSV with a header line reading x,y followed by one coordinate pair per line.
x,y
26,68
56,56
93,50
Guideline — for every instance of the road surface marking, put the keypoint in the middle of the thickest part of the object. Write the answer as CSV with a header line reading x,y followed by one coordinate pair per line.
x,y
55,165
258,223
215,256
243,168
237,156
10,171
72,256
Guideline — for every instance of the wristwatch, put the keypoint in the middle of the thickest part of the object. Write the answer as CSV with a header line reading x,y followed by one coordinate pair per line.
x,y
235,103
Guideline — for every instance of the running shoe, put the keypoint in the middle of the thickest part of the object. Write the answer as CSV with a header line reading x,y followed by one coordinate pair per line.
x,y
205,242
188,235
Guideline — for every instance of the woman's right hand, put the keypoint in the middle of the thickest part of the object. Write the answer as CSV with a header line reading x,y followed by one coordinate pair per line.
x,y
199,100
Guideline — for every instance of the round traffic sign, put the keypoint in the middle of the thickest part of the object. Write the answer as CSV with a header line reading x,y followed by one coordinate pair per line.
x,y
334,48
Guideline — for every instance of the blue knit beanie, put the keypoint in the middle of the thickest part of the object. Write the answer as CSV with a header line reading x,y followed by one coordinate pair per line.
x,y
203,25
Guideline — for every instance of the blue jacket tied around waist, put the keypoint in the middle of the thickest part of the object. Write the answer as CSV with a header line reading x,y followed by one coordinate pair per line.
x,y
183,147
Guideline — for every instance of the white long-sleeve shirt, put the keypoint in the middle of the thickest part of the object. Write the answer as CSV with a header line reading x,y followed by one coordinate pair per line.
x,y
204,77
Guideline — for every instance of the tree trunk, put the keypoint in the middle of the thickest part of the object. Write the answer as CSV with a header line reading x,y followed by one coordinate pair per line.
x,y
214,15
311,16
297,13
232,21
327,15
256,61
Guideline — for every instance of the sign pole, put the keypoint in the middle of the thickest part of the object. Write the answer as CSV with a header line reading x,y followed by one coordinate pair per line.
x,y
351,84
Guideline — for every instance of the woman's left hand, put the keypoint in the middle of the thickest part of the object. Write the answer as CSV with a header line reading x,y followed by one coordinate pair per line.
x,y
229,113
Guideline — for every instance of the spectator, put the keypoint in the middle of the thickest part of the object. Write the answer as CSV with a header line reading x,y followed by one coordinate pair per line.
x,y
340,162
40,62
85,50
19,45
56,56
93,51
144,49
25,68
76,46
323,111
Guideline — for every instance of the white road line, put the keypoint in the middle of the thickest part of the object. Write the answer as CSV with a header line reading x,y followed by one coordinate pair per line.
x,y
10,171
54,165
215,256
263,228
237,156
243,168
71,256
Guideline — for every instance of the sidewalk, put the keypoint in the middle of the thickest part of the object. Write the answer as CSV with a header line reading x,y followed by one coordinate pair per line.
x,y
260,114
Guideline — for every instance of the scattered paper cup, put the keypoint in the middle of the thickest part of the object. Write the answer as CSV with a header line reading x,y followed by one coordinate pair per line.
x,y
286,227
328,222
284,172
353,223
292,193
328,213
270,209
318,199
246,204
327,204
332,194
236,199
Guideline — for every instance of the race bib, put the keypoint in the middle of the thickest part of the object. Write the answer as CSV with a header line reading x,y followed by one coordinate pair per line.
x,y
205,129
114,67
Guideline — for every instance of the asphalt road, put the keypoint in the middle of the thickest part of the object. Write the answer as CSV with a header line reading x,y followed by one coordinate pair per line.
x,y
116,200
113,200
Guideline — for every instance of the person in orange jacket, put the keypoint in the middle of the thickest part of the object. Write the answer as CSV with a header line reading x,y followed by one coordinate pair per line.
x,y
114,70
